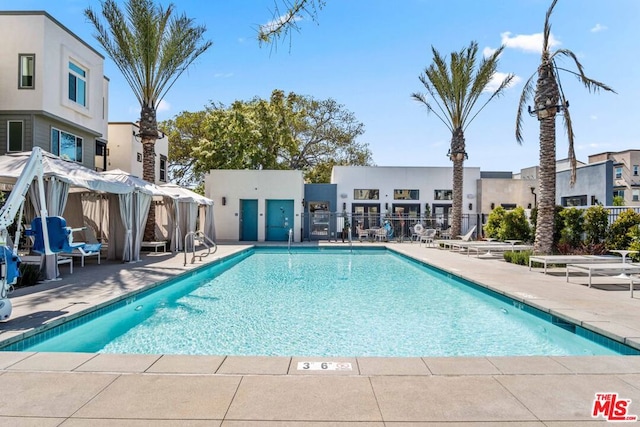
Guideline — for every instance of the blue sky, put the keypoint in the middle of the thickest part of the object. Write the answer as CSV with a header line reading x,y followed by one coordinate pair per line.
x,y
368,54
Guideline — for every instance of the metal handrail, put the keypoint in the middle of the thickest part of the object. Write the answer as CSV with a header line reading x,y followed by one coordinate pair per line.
x,y
290,240
204,240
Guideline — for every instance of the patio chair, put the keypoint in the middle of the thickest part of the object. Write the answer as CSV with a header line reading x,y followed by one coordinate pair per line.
x,y
362,233
83,250
381,234
428,236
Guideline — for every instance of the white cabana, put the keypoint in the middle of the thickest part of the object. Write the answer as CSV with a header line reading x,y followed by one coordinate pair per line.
x,y
185,215
64,181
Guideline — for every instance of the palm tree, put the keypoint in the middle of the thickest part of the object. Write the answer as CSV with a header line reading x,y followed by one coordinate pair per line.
x,y
452,93
549,100
152,48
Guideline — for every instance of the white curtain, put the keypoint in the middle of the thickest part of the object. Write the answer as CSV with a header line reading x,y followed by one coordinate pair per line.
x,y
142,202
126,215
172,207
209,228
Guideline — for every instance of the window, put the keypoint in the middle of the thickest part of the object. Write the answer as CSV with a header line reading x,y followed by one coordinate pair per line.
x,y
619,172
635,170
366,194
635,194
406,194
443,195
163,168
66,145
617,193
77,84
27,64
15,135
574,201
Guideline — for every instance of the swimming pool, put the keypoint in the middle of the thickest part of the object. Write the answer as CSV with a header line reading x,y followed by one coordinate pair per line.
x,y
267,301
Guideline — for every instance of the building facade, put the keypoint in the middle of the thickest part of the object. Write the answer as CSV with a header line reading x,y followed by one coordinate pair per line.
x,y
125,151
625,174
53,92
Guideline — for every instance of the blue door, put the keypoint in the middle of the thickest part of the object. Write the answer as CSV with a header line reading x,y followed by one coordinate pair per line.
x,y
249,220
279,220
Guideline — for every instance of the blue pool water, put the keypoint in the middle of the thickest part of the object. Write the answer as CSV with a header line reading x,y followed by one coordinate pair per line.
x,y
321,303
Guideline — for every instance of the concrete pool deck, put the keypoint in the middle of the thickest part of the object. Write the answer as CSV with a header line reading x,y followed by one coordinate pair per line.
x,y
82,389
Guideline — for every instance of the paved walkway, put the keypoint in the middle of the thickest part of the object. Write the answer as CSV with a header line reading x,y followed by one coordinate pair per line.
x,y
80,389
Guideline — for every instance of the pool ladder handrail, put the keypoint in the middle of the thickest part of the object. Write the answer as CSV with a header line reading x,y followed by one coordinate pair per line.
x,y
206,241
290,240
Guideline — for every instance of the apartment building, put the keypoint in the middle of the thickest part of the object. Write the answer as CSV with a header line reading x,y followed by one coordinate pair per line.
x,y
625,174
125,151
53,92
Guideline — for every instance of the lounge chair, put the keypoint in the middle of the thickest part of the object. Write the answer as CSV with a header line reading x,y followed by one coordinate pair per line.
x,y
448,243
570,259
619,270
428,236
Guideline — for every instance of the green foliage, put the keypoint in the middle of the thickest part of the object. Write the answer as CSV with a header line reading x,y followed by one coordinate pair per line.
x,y
494,222
623,229
520,258
290,132
618,201
596,221
504,225
572,226
634,245
29,275
515,225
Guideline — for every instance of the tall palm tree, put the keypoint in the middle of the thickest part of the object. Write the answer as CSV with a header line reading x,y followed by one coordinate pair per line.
x,y
549,100
452,93
152,47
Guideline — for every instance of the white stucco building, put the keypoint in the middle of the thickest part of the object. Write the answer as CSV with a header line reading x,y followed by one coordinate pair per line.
x,y
256,205
53,92
125,151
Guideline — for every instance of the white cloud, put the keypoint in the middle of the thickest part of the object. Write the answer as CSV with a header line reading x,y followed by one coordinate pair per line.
x,y
272,25
593,117
488,51
164,106
527,42
497,79
598,28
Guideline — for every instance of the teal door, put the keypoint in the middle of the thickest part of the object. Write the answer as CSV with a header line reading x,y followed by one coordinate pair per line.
x,y
279,220
249,220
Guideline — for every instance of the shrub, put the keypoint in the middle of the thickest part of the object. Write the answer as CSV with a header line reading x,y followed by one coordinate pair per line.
x,y
618,201
596,221
519,258
572,227
29,275
494,221
515,225
618,236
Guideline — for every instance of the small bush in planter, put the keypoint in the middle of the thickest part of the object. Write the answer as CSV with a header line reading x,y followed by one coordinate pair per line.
x,y
29,275
520,258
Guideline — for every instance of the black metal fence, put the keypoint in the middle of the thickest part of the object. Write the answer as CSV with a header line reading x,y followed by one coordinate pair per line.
x,y
332,225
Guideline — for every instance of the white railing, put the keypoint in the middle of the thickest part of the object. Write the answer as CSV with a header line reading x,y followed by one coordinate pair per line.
x,y
290,240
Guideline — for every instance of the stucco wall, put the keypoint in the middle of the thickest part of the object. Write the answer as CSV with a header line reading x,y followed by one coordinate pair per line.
x,y
261,185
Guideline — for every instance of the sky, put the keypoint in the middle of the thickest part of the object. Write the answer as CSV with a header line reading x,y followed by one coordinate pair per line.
x,y
368,55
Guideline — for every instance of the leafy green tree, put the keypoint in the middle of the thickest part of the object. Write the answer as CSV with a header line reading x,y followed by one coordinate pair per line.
x,y
152,47
515,225
596,221
618,201
494,222
618,236
452,92
572,226
285,132
549,100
